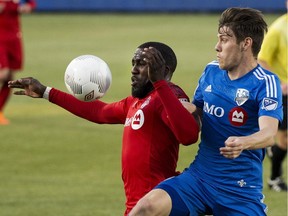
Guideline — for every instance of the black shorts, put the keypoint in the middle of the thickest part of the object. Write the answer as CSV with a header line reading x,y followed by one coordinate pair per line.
x,y
283,124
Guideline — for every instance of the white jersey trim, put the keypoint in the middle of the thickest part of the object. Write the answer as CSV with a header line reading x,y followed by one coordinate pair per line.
x,y
213,63
271,87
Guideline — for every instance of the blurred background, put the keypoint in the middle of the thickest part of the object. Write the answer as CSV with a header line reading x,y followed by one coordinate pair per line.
x,y
157,5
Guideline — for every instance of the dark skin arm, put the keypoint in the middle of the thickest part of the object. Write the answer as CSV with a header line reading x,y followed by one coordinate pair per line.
x,y
31,87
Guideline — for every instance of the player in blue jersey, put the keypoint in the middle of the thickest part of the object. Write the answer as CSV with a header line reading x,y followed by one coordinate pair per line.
x,y
241,106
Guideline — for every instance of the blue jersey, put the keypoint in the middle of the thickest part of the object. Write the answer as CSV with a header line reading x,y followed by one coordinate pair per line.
x,y
232,108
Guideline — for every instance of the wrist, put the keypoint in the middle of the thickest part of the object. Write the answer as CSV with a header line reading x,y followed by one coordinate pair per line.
x,y
46,93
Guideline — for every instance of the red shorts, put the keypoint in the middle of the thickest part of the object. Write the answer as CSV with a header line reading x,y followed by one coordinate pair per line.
x,y
11,54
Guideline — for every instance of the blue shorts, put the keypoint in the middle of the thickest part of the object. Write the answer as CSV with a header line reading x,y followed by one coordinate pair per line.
x,y
198,197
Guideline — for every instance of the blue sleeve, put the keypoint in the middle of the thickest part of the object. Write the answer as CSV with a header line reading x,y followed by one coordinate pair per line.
x,y
270,99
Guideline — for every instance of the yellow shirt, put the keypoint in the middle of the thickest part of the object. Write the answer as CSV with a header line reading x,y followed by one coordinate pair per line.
x,y
274,47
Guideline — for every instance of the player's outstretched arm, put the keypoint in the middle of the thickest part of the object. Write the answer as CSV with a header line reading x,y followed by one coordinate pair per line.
x,y
30,87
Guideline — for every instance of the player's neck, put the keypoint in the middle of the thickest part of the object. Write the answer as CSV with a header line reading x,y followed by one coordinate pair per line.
x,y
242,69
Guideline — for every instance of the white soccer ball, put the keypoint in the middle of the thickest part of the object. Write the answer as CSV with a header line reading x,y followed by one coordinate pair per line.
x,y
88,77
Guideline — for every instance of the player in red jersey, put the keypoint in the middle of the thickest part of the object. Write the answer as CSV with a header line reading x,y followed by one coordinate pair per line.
x,y
11,54
155,122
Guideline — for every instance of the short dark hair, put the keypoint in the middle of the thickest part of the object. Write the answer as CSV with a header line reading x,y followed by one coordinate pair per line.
x,y
245,22
166,51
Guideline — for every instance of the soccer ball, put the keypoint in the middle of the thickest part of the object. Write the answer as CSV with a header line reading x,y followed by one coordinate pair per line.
x,y
87,77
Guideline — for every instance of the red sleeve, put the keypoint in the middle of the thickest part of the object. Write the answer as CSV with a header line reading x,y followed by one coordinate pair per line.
x,y
96,111
180,94
182,123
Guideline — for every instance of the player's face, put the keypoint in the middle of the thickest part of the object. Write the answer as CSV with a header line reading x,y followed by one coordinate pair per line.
x,y
229,54
141,84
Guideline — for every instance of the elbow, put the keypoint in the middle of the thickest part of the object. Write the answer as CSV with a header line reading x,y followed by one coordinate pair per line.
x,y
190,135
270,141
271,138
189,142
193,138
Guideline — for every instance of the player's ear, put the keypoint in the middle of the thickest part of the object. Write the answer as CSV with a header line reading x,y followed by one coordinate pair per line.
x,y
246,43
167,73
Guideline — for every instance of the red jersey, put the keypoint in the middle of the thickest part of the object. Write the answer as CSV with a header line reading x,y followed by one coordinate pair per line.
x,y
9,18
153,128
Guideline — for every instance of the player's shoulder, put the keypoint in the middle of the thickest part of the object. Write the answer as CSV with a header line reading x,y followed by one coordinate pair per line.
x,y
265,80
212,67
213,63
262,75
280,22
128,101
174,86
178,91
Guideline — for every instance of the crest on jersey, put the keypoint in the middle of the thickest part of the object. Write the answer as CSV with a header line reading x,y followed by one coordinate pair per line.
x,y
242,95
269,104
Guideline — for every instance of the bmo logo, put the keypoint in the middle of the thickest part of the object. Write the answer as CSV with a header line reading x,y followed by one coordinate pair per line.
x,y
213,110
138,120
238,116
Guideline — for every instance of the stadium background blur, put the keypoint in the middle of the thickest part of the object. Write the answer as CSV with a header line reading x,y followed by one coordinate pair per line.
x,y
53,163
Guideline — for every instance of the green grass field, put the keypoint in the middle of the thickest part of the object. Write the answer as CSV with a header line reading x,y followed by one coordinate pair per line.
x,y
56,164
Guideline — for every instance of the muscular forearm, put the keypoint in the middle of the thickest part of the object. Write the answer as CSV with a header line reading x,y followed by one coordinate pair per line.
x,y
234,145
260,139
265,136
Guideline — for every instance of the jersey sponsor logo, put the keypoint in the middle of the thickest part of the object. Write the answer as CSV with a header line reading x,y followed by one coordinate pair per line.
x,y
213,110
242,95
146,102
137,120
269,104
208,88
238,116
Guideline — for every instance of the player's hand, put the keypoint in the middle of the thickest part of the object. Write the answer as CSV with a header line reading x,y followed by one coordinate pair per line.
x,y
31,87
156,64
233,147
189,106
